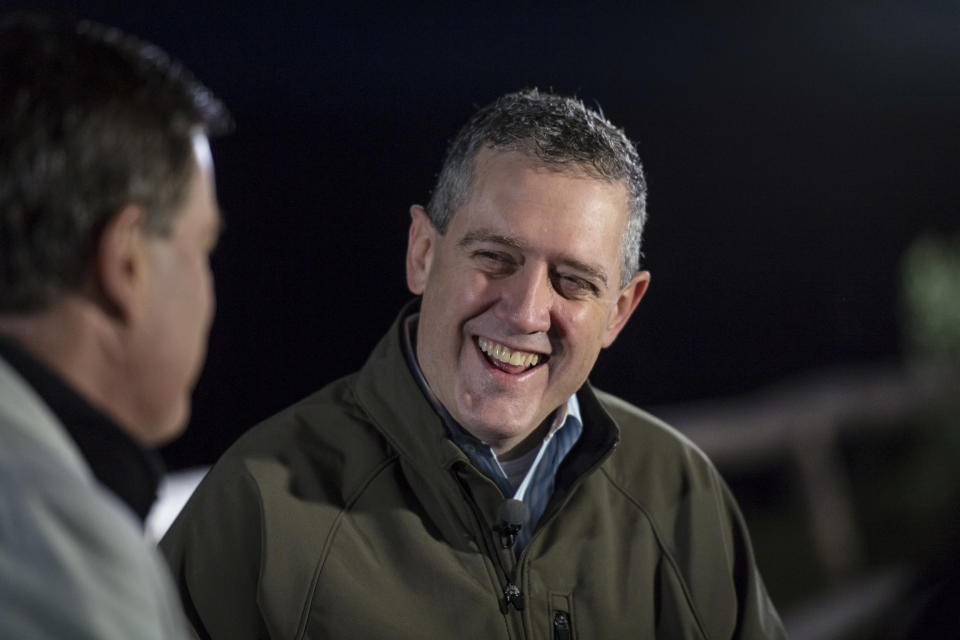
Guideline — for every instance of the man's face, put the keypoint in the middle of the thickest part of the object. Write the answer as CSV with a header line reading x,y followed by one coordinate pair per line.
x,y
179,305
520,293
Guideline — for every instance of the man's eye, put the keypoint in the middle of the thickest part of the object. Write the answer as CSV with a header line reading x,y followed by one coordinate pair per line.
x,y
574,287
493,261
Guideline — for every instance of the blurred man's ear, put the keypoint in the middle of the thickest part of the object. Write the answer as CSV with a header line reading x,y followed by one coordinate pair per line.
x,y
120,264
625,305
420,244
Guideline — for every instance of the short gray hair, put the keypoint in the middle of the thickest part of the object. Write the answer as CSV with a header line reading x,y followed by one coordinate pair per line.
x,y
562,134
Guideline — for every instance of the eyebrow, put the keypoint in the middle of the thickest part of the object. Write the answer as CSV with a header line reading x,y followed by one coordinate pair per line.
x,y
483,235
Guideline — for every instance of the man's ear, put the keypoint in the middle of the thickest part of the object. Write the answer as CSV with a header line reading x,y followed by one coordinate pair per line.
x,y
624,306
421,241
121,262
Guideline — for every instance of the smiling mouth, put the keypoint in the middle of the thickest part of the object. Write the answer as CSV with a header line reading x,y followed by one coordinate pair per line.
x,y
507,359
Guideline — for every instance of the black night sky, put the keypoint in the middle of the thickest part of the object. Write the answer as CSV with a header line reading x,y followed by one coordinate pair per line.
x,y
792,155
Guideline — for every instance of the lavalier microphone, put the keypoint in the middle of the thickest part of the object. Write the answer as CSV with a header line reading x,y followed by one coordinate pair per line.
x,y
512,514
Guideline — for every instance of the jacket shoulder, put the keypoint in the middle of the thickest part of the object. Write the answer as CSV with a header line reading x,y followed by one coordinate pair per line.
x,y
696,520
650,448
326,445
279,493
301,467
74,551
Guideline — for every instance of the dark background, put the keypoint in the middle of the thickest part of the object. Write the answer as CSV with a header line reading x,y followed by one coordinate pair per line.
x,y
793,153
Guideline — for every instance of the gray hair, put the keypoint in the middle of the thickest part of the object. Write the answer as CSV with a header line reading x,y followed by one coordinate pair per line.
x,y
563,135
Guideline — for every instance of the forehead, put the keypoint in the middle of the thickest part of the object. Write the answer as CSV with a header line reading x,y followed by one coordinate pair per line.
x,y
493,168
517,190
199,211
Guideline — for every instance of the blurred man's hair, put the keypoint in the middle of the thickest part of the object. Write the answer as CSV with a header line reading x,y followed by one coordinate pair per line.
x,y
560,133
91,119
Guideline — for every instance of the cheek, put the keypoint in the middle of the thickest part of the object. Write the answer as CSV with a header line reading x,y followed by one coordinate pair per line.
x,y
208,295
197,287
196,317
476,294
459,297
583,328
189,306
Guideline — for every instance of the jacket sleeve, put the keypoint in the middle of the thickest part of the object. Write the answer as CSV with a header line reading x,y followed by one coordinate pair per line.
x,y
710,585
214,550
757,617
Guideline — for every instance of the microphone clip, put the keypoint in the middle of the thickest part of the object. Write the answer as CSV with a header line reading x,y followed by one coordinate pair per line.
x,y
512,514
508,534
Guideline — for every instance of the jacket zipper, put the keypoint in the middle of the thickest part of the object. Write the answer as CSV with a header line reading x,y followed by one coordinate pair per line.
x,y
561,626
511,592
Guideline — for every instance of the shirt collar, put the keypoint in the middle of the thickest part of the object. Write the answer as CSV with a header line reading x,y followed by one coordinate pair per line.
x,y
127,469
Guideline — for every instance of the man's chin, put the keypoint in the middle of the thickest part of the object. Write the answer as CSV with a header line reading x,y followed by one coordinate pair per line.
x,y
493,429
164,428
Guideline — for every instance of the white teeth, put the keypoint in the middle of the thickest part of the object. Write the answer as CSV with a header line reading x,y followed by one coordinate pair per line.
x,y
504,354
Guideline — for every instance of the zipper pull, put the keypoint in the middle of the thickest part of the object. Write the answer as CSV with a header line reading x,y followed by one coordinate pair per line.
x,y
561,626
513,596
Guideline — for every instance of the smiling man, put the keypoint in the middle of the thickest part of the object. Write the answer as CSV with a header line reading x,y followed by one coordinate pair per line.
x,y
520,292
469,482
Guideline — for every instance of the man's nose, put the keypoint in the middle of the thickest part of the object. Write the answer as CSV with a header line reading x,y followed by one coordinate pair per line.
x,y
527,299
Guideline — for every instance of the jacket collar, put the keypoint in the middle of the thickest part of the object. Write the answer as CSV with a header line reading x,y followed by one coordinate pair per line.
x,y
388,391
78,429
28,418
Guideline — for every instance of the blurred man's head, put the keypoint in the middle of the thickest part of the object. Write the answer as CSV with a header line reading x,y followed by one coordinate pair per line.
x,y
107,214
527,258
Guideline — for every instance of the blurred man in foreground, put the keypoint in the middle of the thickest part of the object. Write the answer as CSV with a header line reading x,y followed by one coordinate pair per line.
x,y
469,482
107,218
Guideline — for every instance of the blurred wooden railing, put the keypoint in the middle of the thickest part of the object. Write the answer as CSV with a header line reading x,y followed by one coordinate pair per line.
x,y
803,420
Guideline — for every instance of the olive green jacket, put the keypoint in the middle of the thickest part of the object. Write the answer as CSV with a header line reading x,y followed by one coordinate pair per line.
x,y
352,515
